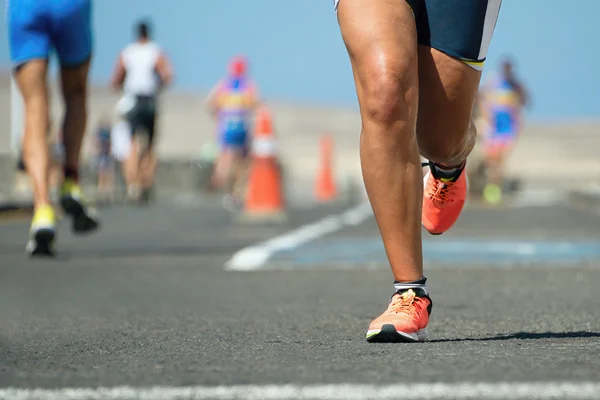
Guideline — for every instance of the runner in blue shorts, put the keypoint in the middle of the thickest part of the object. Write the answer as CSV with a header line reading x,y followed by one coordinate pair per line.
x,y
36,28
503,98
232,102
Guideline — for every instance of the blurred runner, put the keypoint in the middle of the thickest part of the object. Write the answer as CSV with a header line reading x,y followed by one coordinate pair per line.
x,y
502,99
142,70
121,147
417,66
35,27
105,168
231,102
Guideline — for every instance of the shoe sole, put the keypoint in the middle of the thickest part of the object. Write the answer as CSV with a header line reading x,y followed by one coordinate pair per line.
x,y
389,334
41,244
425,185
82,222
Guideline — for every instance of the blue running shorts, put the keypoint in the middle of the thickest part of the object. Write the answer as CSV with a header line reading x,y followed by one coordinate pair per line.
x,y
36,27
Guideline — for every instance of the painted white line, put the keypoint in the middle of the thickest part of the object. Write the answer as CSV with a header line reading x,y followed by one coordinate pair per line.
x,y
458,391
253,257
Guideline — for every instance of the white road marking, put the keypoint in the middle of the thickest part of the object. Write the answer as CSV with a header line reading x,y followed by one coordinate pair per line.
x,y
253,257
457,391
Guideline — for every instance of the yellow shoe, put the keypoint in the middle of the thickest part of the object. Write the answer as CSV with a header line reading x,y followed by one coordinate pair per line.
x,y
74,204
492,194
70,188
42,232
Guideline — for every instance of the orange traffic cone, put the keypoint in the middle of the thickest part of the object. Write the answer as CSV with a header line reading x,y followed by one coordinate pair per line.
x,y
264,197
325,189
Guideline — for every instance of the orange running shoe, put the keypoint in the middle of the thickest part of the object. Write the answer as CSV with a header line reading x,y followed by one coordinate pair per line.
x,y
405,319
443,200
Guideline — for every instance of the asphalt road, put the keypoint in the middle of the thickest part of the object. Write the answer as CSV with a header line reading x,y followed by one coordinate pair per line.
x,y
147,302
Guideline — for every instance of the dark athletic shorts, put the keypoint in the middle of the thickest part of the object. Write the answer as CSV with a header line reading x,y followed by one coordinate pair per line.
x,y
142,117
460,28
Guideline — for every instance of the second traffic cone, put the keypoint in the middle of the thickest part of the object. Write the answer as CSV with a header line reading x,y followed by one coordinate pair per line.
x,y
325,189
264,197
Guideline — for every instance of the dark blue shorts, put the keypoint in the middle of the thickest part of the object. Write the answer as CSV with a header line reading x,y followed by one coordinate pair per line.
x,y
461,29
36,27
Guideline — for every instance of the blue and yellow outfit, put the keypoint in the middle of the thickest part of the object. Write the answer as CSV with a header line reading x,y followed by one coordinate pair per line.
x,y
502,110
235,98
36,27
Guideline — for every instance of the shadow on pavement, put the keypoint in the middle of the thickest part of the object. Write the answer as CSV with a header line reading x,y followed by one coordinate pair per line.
x,y
137,251
177,250
527,336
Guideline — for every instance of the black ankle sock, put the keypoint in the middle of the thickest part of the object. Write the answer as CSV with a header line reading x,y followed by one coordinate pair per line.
x,y
443,171
419,282
417,285
71,173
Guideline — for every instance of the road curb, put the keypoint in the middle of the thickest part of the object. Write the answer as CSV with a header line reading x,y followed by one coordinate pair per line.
x,y
586,198
11,205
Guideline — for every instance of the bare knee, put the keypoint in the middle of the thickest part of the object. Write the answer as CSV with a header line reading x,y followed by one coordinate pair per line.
x,y
389,97
450,145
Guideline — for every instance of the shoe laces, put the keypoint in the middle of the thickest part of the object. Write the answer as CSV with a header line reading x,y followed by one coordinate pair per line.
x,y
403,303
440,190
437,189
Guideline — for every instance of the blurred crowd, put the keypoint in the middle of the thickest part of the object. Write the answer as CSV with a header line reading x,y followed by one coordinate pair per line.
x,y
123,142
123,151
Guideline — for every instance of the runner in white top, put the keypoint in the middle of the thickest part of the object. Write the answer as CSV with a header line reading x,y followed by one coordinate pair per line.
x,y
142,70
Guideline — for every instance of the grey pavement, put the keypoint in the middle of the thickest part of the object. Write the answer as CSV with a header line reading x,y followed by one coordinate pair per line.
x,y
147,302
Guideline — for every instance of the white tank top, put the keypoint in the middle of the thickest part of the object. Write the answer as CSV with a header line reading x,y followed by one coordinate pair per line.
x,y
140,61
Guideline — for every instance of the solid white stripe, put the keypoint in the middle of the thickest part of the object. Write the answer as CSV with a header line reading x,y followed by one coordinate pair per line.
x,y
253,257
505,390
491,15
